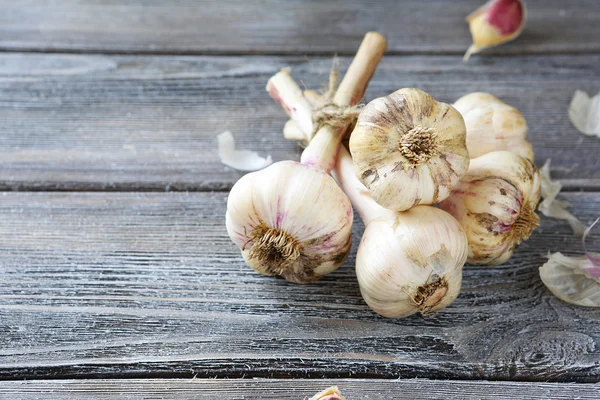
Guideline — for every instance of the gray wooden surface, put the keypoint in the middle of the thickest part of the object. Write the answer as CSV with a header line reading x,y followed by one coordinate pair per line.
x,y
280,26
102,102
180,389
148,284
150,122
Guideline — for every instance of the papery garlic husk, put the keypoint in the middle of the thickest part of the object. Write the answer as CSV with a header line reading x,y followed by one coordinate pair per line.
x,y
409,149
411,262
575,280
495,203
290,220
495,23
493,125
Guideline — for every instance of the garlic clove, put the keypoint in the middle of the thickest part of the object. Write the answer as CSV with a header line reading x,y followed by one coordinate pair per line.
x,y
495,203
297,228
575,280
331,393
411,262
495,23
493,126
409,149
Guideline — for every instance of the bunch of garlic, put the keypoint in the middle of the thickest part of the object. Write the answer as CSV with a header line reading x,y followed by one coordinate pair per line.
x,y
410,152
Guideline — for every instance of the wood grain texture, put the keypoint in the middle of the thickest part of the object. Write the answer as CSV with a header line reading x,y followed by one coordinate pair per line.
x,y
277,26
148,285
179,389
94,122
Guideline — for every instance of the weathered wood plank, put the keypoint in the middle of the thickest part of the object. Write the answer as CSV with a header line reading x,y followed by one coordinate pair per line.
x,y
179,389
101,285
274,26
130,122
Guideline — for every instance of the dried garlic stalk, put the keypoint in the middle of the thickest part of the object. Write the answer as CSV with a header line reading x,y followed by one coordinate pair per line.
x,y
332,393
575,280
584,113
553,208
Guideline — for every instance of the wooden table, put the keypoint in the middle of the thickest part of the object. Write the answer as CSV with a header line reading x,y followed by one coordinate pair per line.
x,y
117,277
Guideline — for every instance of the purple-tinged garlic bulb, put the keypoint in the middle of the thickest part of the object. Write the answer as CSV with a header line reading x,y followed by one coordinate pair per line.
x,y
495,203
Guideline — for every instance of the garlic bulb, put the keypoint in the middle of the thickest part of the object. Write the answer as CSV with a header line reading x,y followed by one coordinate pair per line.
x,y
495,203
495,23
493,125
409,149
291,219
407,262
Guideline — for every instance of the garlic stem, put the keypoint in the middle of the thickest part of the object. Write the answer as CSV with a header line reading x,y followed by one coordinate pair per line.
x,y
359,196
322,150
284,90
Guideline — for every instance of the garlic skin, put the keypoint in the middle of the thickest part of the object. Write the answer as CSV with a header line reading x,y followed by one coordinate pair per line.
x,y
493,126
407,262
495,23
290,220
409,149
575,280
495,203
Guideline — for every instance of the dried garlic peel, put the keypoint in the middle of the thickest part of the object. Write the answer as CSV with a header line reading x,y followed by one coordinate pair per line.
x,y
575,280
553,208
584,113
242,160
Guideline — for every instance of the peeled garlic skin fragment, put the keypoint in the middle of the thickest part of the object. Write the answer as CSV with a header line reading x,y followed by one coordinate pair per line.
x,y
567,279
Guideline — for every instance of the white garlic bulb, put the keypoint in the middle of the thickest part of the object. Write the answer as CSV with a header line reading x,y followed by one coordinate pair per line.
x,y
409,261
493,126
495,203
290,220
409,149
